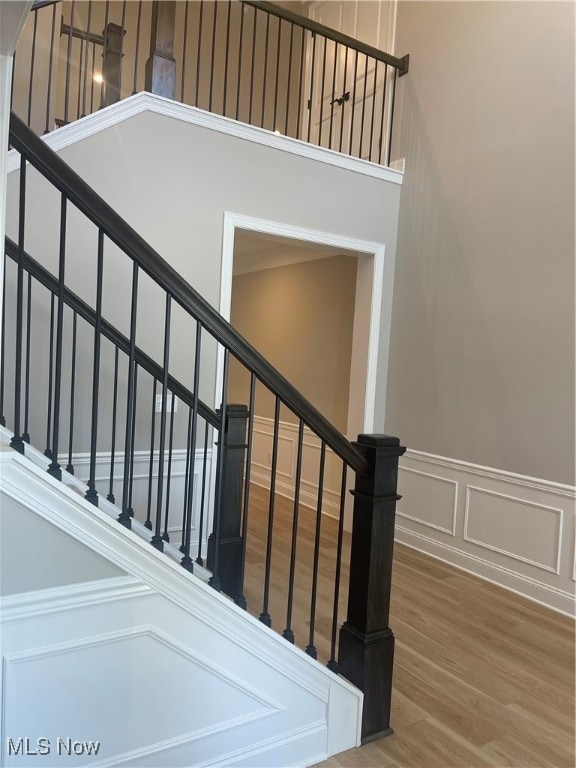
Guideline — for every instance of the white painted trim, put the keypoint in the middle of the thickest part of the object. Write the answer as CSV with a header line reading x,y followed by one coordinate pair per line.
x,y
524,503
451,531
27,605
366,248
147,102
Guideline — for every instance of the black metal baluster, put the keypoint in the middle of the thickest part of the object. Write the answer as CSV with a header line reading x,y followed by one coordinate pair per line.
x,y
165,535
311,99
92,78
186,469
199,51
265,617
392,117
288,634
288,94
86,53
322,94
240,59
157,538
333,99
344,91
26,433
311,648
226,58
133,443
373,109
137,51
32,62
382,139
16,441
363,107
51,59
124,516
80,77
184,46
265,73
214,19
332,663
70,465
214,580
199,559
301,81
278,44
91,494
241,599
47,450
148,522
110,495
252,66
186,561
353,105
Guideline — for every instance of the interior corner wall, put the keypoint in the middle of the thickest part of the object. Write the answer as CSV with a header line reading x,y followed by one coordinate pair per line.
x,y
482,347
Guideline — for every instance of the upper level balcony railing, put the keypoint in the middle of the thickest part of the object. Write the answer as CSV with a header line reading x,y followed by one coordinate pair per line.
x,y
251,61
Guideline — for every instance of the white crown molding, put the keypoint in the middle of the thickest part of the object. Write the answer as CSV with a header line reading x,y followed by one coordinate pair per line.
x,y
147,102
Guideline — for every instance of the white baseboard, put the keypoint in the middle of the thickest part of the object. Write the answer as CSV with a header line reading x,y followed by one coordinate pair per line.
x,y
510,529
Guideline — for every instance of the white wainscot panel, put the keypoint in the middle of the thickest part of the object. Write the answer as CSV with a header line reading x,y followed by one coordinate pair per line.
x,y
493,520
427,499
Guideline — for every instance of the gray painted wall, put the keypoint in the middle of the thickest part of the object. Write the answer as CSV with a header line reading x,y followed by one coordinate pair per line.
x,y
482,347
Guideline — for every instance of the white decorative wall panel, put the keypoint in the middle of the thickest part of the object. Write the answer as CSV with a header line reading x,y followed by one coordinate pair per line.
x,y
513,530
156,666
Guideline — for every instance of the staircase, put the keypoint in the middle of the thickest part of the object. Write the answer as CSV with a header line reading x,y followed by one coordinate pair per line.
x,y
151,597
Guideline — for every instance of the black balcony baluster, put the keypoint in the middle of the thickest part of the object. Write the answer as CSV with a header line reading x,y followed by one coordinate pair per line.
x,y
251,101
137,49
332,663
122,35
199,52
288,94
353,104
86,54
186,561
311,99
311,648
333,99
265,617
382,133
157,538
360,144
148,522
16,441
26,433
343,110
288,633
111,497
32,62
320,125
373,109
240,59
265,74
226,55
91,494
278,47
50,62
212,54
214,580
125,516
92,78
241,599
301,81
165,535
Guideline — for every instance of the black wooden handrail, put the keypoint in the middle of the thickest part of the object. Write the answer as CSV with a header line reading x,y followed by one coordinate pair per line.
x,y
401,64
53,168
79,306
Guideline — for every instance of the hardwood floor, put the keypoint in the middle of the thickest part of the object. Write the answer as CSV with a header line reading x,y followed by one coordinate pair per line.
x,y
482,677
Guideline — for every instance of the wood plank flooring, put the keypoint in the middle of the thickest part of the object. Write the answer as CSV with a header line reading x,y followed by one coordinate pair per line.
x,y
482,677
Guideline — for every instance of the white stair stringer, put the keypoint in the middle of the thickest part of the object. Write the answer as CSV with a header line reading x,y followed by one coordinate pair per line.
x,y
155,666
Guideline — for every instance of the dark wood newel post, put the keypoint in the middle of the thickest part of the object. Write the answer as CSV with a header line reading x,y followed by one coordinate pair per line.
x,y
161,66
366,648
232,453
